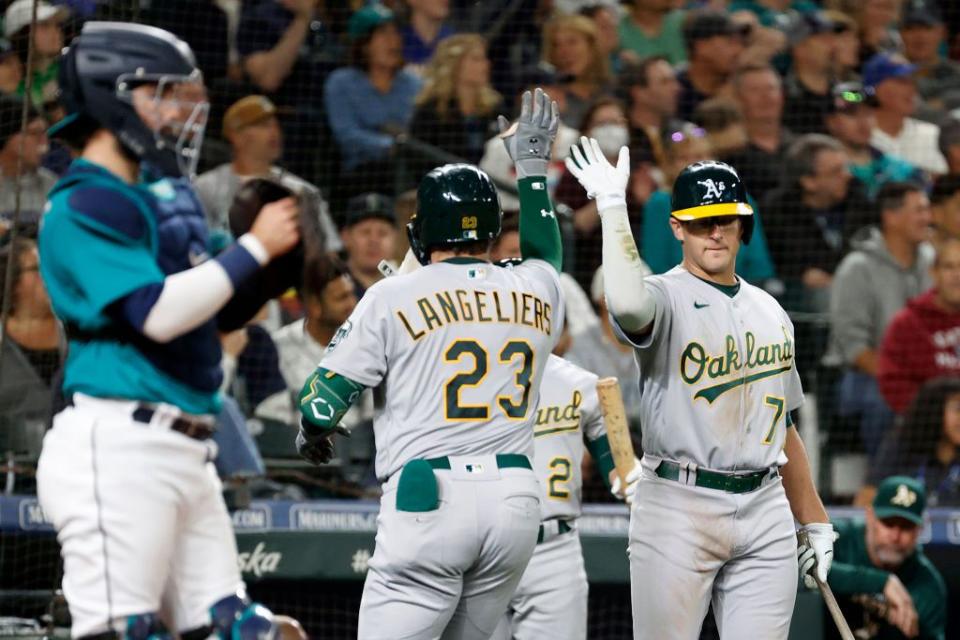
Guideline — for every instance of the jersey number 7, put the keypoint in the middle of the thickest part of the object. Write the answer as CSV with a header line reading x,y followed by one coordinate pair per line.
x,y
513,350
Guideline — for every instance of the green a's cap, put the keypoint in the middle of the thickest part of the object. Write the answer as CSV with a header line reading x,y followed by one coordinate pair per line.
x,y
367,19
900,497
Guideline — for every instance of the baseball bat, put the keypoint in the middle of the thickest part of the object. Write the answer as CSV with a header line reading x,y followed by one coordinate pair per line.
x,y
618,433
830,599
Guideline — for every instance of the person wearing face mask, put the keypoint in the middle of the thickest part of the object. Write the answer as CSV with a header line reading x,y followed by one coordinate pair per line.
x,y
606,122
878,557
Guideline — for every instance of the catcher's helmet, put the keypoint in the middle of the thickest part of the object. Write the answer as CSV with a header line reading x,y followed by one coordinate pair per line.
x,y
456,203
708,189
98,73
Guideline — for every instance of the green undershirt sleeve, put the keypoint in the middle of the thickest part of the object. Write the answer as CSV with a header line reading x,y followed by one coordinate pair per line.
x,y
600,450
539,231
848,579
325,397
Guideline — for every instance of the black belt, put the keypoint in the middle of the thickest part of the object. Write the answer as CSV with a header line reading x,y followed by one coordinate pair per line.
x,y
190,427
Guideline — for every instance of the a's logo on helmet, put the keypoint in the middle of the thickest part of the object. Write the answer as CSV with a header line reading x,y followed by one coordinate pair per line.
x,y
468,222
714,189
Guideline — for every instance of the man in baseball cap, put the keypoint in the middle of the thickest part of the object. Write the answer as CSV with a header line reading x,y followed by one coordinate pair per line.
x,y
890,77
251,127
879,568
811,38
923,33
714,43
48,43
369,235
849,119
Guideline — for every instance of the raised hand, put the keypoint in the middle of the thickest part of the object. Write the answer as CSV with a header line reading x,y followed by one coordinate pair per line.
x,y
530,139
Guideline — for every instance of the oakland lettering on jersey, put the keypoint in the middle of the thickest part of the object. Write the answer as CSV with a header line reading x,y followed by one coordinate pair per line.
x,y
695,363
462,305
557,418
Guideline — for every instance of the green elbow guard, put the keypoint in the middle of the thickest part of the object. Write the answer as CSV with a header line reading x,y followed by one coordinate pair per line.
x,y
325,397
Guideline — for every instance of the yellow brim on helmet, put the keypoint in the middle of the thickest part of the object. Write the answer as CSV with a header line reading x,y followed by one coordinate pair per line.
x,y
714,210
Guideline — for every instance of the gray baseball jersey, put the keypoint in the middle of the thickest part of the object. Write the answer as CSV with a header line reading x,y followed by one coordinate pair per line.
x,y
717,375
551,599
461,346
568,412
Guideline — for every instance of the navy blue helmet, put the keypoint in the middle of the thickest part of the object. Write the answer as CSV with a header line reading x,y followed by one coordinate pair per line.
x,y
99,72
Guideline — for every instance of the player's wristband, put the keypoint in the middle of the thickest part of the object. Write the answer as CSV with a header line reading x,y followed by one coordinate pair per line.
x,y
325,397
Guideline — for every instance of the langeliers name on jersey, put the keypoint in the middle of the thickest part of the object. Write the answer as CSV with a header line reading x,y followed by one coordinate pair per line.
x,y
462,305
762,361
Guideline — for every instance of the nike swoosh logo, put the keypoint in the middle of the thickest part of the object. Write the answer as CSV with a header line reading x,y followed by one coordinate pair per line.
x,y
700,305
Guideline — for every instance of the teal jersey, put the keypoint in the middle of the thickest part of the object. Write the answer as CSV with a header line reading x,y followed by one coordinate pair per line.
x,y
98,244
662,252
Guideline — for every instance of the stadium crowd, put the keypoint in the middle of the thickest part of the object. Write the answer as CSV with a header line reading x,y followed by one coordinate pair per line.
x,y
842,117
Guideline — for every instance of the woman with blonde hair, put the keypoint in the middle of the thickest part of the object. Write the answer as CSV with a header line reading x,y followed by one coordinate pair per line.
x,y
457,107
571,45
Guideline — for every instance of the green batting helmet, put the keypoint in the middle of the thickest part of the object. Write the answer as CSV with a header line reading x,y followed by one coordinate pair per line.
x,y
708,189
456,203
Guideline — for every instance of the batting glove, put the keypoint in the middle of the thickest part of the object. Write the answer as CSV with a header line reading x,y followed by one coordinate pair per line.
x,y
815,553
529,141
316,446
606,183
627,494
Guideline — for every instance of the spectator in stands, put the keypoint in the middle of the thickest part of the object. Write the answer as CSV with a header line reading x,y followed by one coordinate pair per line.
x,y
651,93
923,339
606,18
722,121
850,120
924,445
811,217
571,44
880,557
33,349
369,235
891,79
949,144
35,181
654,28
209,27
11,70
287,51
807,85
328,300
772,12
426,26
47,45
759,93
251,371
659,247
761,42
877,25
945,208
370,103
457,107
714,43
923,33
846,46
251,127
887,267
605,121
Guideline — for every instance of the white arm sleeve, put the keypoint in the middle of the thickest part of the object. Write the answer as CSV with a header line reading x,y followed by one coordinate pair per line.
x,y
192,297
623,271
